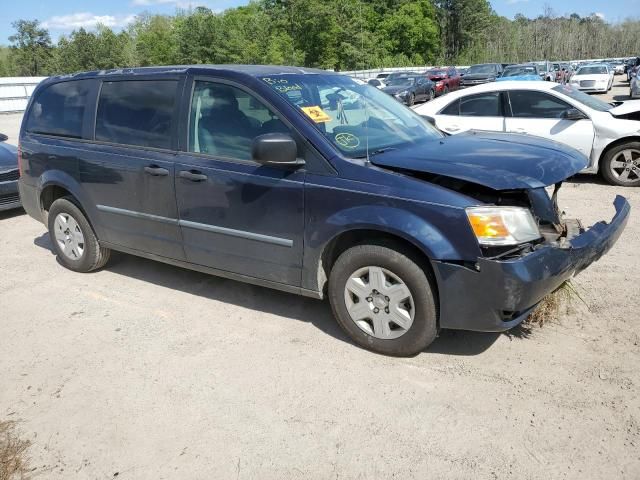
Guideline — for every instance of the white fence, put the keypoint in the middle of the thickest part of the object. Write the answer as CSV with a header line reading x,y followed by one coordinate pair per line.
x,y
15,92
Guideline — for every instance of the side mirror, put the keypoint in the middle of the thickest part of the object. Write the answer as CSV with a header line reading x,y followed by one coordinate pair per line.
x,y
573,114
429,119
275,149
3,137
374,82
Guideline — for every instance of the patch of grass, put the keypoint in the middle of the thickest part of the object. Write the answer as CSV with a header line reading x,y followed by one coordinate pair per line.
x,y
553,306
14,463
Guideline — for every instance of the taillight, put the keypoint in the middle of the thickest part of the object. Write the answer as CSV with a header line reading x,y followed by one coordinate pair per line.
x,y
19,160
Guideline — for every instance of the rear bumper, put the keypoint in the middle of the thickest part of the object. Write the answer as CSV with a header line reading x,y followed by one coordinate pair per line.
x,y
30,200
501,294
9,197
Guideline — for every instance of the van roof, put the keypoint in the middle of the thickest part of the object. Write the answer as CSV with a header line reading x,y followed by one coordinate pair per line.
x,y
250,70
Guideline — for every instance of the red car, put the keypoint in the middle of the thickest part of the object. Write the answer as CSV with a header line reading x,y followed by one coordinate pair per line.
x,y
445,79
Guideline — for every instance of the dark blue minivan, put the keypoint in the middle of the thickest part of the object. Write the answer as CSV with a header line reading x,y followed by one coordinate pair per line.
x,y
309,182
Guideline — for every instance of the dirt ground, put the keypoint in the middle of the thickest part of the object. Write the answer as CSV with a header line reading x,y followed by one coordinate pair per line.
x,y
147,371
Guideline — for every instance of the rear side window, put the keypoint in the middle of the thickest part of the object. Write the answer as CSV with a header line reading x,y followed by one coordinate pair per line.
x,y
60,109
137,112
481,105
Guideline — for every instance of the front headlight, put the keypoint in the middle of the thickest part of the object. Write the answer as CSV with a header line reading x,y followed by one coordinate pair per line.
x,y
495,226
403,93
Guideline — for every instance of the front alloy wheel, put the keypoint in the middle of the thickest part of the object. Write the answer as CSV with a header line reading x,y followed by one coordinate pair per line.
x,y
379,302
623,166
383,297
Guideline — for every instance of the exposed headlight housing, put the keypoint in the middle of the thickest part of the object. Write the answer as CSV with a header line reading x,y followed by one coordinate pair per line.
x,y
498,226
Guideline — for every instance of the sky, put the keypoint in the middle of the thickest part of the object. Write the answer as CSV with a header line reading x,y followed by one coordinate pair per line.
x,y
62,16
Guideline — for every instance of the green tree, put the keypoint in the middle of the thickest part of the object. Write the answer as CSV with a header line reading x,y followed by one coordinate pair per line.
x,y
31,48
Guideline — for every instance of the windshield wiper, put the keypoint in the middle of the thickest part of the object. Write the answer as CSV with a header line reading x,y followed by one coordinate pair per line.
x,y
381,150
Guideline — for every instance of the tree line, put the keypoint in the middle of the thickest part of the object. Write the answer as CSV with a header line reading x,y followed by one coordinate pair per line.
x,y
329,34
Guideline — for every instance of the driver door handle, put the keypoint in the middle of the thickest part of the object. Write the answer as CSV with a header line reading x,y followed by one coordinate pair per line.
x,y
193,175
156,171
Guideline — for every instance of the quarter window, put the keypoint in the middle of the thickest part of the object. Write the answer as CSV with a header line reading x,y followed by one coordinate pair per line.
x,y
137,112
224,120
60,109
481,105
452,109
529,104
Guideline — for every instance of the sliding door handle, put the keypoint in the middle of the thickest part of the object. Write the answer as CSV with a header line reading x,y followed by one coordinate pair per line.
x,y
193,175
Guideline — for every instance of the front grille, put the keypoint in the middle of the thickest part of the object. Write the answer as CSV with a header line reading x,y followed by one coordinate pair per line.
x,y
587,83
9,176
11,198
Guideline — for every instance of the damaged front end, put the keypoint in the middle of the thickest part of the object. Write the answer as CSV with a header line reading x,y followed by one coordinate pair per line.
x,y
527,248
507,282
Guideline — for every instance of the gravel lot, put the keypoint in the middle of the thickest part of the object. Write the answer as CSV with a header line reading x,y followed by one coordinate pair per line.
x,y
149,371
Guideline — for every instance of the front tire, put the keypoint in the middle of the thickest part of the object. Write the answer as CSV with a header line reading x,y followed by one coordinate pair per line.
x,y
411,100
383,300
621,165
74,241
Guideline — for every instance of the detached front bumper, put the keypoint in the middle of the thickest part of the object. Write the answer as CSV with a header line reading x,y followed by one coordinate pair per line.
x,y
501,293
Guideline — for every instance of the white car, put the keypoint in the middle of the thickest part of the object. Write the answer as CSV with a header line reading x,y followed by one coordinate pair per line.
x,y
593,78
609,135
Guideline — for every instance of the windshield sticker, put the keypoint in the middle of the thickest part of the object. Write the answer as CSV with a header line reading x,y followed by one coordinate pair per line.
x,y
316,114
347,140
281,85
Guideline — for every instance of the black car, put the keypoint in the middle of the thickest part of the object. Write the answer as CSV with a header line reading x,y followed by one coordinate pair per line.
x,y
410,89
481,73
9,197
260,174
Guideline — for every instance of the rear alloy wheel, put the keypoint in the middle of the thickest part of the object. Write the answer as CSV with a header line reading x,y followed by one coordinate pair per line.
x,y
621,165
74,241
383,300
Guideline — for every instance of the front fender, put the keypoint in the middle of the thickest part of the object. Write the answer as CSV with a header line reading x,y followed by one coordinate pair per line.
x,y
441,237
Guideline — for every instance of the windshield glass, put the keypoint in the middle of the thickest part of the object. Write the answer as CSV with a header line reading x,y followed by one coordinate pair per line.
x,y
482,69
594,70
357,119
437,73
521,70
588,100
400,81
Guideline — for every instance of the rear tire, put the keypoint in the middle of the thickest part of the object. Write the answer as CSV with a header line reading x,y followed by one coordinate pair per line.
x,y
373,275
74,241
621,165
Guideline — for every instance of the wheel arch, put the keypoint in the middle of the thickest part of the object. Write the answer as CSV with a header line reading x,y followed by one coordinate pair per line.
x,y
613,144
372,235
55,184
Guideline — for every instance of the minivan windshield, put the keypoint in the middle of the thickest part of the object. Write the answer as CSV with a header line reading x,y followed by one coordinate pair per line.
x,y
488,68
359,120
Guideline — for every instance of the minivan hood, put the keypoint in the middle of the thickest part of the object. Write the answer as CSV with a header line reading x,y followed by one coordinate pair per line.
x,y
501,161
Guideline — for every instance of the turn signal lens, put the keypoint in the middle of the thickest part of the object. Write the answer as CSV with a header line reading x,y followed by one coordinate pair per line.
x,y
494,226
